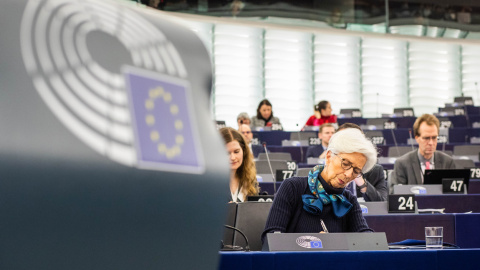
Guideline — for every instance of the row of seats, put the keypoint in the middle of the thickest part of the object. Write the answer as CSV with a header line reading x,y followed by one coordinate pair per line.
x,y
401,136
283,162
387,154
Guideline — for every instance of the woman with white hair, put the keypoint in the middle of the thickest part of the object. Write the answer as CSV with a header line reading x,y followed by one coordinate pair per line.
x,y
302,203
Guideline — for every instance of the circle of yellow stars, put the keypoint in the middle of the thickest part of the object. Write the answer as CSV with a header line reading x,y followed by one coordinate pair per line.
x,y
162,148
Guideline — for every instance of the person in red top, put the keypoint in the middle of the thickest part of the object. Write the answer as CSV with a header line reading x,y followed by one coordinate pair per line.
x,y
322,115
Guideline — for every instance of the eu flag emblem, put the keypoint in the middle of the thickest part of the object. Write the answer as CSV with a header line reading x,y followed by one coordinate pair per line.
x,y
162,117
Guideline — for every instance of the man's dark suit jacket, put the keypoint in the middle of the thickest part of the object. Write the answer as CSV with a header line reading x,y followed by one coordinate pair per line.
x,y
314,151
377,189
407,169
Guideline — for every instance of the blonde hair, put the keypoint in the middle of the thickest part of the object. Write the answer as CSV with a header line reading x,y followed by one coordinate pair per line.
x,y
246,173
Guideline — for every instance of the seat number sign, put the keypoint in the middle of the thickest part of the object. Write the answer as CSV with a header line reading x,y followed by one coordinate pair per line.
x,y
453,185
402,203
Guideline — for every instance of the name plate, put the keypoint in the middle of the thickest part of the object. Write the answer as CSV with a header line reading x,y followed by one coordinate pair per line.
x,y
446,124
314,141
389,125
408,113
474,173
453,185
403,203
276,127
220,124
442,139
356,114
459,111
378,140
292,165
281,175
325,241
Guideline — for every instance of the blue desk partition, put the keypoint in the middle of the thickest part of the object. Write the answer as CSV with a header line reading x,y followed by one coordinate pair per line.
x,y
474,186
359,121
404,122
358,260
458,135
453,203
466,230
473,132
472,110
401,135
399,227
271,137
457,259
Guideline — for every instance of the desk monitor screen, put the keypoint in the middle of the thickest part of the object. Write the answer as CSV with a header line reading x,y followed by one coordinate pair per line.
x,y
435,177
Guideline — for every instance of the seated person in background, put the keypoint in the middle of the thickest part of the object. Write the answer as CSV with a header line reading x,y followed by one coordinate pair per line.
x,y
264,117
372,186
409,168
243,118
302,202
324,133
243,175
323,115
248,135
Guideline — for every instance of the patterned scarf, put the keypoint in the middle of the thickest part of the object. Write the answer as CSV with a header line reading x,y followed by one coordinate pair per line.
x,y
314,204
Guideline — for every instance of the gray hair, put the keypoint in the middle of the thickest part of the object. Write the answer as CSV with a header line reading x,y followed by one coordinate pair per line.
x,y
352,140
243,115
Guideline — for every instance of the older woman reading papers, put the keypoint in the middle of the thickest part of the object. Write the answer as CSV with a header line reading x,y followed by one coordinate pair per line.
x,y
303,202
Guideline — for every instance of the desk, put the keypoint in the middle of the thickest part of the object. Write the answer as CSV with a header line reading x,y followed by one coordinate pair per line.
x,y
271,137
458,229
399,227
446,259
453,203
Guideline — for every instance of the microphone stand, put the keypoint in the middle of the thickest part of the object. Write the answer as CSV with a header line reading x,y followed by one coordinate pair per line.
x,y
301,147
247,246
271,170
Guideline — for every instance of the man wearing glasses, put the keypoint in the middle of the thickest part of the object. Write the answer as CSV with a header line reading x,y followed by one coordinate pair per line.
x,y
248,135
409,168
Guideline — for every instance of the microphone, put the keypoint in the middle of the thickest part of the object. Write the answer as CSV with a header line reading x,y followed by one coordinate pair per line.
x,y
443,146
411,139
271,170
301,147
247,246
395,142
476,90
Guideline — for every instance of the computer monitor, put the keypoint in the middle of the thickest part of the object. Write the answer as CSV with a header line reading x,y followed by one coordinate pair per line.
x,y
435,177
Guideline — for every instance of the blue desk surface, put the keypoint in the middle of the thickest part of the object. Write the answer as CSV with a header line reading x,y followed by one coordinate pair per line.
x,y
446,259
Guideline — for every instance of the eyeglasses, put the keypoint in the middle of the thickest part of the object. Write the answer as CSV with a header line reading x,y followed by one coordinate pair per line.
x,y
246,132
427,139
346,165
